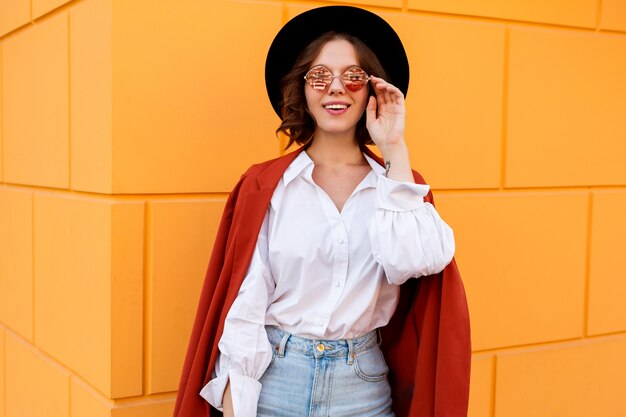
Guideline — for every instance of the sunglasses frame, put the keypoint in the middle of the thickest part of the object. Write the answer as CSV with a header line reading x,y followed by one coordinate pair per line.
x,y
311,81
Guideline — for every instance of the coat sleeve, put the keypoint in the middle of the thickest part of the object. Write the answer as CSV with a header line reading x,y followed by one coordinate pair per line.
x,y
245,351
188,401
427,345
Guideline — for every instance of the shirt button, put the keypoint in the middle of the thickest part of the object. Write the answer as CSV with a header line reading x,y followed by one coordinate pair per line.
x,y
337,283
341,241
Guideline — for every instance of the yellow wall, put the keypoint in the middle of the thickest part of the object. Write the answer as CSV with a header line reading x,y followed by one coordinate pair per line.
x,y
124,123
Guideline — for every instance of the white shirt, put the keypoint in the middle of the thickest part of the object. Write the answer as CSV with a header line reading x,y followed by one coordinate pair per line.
x,y
323,274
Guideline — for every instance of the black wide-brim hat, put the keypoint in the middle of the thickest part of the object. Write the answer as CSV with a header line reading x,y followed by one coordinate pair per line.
x,y
303,29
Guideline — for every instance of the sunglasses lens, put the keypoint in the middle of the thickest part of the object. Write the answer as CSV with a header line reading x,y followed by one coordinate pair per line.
x,y
319,78
355,78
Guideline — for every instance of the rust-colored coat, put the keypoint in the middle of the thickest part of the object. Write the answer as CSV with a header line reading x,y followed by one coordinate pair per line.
x,y
426,343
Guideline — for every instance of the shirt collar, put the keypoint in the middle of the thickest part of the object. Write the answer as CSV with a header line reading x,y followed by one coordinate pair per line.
x,y
298,165
304,161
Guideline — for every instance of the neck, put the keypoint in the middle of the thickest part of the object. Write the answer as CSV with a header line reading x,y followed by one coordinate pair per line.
x,y
334,150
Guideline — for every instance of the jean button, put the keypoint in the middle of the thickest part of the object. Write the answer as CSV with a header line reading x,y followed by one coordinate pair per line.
x,y
320,347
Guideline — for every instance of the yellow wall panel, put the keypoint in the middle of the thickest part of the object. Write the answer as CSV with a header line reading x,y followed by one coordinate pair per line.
x,y
182,238
127,231
561,12
613,15
607,287
13,14
199,82
41,7
16,261
522,259
481,386
579,380
35,385
454,103
2,373
91,69
84,285
87,402
35,105
566,108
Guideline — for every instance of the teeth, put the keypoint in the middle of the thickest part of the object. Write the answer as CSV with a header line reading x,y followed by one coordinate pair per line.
x,y
336,106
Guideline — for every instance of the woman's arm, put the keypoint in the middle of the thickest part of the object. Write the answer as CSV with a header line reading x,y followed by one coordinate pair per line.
x,y
227,402
407,235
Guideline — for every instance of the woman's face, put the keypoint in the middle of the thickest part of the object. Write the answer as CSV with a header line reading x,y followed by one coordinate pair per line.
x,y
336,110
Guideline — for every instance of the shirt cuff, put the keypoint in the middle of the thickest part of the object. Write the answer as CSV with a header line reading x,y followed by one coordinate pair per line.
x,y
399,196
213,392
244,390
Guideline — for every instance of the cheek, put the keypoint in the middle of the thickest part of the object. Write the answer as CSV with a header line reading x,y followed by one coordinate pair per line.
x,y
361,98
310,97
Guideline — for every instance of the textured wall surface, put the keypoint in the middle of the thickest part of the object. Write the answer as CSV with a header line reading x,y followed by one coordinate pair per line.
x,y
124,124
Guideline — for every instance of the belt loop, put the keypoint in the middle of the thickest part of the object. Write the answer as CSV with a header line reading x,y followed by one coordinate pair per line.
x,y
351,352
283,343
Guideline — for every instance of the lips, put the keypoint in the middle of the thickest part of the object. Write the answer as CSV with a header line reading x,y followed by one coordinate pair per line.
x,y
336,107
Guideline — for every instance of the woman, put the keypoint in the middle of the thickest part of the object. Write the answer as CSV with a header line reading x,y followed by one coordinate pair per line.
x,y
320,249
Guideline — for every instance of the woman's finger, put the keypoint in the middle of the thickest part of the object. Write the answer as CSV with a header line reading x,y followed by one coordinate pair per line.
x,y
396,95
390,92
388,96
379,88
370,110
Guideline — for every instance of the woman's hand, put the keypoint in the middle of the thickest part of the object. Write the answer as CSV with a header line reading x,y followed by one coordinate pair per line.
x,y
385,117
385,114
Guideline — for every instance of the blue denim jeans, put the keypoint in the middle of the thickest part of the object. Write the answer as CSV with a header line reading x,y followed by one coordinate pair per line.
x,y
325,378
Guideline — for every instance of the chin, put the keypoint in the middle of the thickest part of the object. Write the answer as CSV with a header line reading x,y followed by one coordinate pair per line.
x,y
337,128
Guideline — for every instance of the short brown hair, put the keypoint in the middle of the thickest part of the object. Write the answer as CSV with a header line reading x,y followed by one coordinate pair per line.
x,y
297,123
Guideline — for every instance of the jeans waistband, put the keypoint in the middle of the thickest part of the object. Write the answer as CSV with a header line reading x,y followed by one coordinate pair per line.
x,y
349,348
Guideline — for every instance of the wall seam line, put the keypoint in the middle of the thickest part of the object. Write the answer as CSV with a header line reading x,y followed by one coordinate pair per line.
x,y
69,106
492,405
499,20
2,113
587,285
4,370
69,394
117,197
551,344
32,262
284,13
505,108
147,300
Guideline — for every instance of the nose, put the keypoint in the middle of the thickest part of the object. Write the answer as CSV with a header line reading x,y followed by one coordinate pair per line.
x,y
336,86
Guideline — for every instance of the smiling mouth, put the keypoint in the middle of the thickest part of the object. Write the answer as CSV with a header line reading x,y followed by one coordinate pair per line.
x,y
336,106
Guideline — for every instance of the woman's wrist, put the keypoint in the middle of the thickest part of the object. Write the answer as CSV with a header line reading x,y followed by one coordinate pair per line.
x,y
396,161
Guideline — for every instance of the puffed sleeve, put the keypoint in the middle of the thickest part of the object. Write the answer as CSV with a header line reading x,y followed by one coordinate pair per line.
x,y
245,351
407,235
